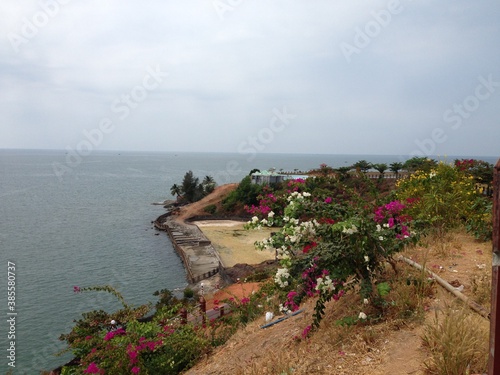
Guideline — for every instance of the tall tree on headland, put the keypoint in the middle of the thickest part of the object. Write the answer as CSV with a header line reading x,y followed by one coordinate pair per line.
x,y
190,190
190,186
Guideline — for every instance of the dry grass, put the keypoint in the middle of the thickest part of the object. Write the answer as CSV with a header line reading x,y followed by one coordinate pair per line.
x,y
236,245
457,340
481,288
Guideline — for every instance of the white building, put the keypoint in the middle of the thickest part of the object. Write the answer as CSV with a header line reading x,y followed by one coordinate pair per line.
x,y
272,177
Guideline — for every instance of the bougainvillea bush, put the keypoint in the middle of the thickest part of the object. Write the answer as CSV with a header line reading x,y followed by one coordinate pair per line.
x,y
124,342
326,245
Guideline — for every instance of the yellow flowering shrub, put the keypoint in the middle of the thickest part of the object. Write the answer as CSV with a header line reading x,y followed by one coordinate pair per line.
x,y
443,198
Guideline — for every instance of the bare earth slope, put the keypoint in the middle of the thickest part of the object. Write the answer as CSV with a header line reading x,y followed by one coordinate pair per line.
x,y
197,208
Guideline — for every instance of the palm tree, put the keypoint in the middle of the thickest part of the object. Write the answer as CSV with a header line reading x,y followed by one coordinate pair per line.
x,y
381,168
176,190
396,167
362,165
208,184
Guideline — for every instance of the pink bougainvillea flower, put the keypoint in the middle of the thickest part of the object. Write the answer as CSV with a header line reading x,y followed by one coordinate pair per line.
x,y
290,301
328,200
292,294
92,369
132,356
245,300
135,370
111,334
390,222
306,331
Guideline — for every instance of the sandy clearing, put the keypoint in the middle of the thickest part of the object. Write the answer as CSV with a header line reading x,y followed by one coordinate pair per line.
x,y
236,244
217,223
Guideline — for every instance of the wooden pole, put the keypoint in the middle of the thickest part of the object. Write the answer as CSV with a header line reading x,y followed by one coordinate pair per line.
x,y
494,355
473,305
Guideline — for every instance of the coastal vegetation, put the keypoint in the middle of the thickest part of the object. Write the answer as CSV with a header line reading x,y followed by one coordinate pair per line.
x,y
338,237
245,194
191,189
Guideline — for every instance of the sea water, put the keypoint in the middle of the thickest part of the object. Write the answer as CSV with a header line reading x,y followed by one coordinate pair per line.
x,y
70,221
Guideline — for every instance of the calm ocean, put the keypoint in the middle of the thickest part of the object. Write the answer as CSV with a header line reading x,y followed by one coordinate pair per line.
x,y
92,226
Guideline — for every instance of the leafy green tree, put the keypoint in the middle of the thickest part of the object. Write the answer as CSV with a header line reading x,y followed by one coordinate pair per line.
x,y
191,190
419,163
190,186
481,171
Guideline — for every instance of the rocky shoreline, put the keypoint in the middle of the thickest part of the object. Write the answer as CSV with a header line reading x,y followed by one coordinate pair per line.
x,y
200,258
205,270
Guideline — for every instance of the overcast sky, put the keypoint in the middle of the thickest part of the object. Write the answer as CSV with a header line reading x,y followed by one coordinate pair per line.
x,y
340,77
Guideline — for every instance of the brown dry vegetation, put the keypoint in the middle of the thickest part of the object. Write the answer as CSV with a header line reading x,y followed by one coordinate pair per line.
x,y
197,208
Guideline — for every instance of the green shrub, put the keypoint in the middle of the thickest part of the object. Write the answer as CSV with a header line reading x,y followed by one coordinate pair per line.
x,y
245,194
188,293
211,209
442,198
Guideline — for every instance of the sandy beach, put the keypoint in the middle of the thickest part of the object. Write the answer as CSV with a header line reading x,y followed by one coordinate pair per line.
x,y
234,243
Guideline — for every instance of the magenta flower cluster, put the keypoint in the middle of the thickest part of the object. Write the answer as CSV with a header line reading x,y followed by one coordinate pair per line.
x,y
116,332
391,215
295,185
290,303
264,207
92,369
